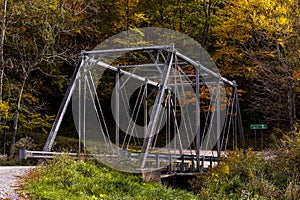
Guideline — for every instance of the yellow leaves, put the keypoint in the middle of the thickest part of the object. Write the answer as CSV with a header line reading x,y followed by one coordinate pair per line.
x,y
221,43
53,8
220,171
225,169
267,5
248,29
4,109
259,20
102,196
139,17
215,177
32,120
270,15
281,9
78,31
251,175
107,176
49,118
280,42
282,21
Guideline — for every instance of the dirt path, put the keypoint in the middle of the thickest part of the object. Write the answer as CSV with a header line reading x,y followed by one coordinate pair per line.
x,y
8,177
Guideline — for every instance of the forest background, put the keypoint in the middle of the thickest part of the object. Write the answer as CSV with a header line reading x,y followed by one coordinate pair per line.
x,y
255,42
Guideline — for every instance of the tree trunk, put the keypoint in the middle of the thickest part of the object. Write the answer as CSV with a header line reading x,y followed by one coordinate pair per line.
x,y
3,32
207,10
4,142
16,118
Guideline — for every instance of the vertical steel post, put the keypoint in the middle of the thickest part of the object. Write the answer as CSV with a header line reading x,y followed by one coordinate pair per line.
x,y
79,114
182,163
117,114
84,112
198,118
173,109
169,128
218,120
255,140
145,109
262,139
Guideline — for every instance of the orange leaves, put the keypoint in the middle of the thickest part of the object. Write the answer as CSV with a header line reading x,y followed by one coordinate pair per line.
x,y
296,75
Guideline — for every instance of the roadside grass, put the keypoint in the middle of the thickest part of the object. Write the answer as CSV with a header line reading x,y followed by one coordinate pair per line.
x,y
65,178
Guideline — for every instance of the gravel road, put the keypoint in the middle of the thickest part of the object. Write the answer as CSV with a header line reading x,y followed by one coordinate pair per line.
x,y
8,177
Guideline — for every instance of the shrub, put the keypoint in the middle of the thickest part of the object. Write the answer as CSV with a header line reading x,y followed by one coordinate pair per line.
x,y
246,175
239,175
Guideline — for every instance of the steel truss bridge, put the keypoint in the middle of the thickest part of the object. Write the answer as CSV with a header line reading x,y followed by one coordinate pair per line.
x,y
151,107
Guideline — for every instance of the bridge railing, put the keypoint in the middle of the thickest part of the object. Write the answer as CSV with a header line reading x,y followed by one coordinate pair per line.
x,y
180,163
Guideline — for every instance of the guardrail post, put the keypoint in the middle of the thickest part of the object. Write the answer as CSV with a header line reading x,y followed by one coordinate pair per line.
x,y
202,162
22,154
193,164
182,164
